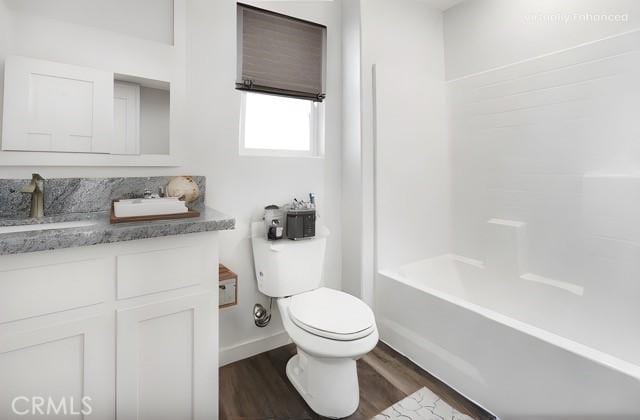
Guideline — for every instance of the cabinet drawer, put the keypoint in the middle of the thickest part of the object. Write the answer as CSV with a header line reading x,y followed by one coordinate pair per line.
x,y
46,289
161,270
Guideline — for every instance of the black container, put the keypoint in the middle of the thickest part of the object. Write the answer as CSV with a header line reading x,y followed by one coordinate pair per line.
x,y
275,232
301,224
274,223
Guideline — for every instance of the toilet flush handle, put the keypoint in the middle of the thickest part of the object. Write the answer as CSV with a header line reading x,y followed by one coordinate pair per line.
x,y
275,248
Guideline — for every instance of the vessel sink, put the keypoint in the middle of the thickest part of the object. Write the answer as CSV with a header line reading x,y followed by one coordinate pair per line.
x,y
45,226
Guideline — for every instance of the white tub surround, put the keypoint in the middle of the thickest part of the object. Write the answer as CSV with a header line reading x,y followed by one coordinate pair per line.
x,y
518,285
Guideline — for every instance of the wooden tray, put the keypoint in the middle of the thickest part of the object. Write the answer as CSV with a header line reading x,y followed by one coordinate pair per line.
x,y
114,220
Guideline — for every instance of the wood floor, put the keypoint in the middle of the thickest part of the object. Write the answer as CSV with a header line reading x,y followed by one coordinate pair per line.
x,y
257,388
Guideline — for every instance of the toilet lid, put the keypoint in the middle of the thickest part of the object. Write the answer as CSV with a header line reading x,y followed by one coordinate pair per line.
x,y
332,314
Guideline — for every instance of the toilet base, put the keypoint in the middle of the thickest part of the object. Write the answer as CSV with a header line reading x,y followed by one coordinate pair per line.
x,y
329,386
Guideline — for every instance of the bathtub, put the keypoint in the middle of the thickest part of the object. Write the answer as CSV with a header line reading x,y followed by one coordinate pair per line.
x,y
518,346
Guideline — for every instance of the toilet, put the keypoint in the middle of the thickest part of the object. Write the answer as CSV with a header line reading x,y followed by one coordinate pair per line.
x,y
331,329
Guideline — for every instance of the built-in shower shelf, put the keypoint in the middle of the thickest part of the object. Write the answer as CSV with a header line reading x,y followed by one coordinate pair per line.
x,y
466,260
505,222
569,287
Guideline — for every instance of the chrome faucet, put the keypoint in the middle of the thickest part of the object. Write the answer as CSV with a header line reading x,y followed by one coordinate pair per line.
x,y
36,189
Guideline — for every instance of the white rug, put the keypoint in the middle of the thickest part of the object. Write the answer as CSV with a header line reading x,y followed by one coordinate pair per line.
x,y
422,405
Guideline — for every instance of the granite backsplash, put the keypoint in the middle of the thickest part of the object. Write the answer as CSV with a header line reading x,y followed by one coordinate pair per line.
x,y
81,195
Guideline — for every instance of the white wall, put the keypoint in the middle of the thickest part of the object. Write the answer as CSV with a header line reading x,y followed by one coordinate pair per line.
x,y
484,34
5,40
351,150
202,67
243,185
146,19
407,129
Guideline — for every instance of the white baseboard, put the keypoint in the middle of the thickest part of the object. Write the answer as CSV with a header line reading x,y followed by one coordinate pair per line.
x,y
252,347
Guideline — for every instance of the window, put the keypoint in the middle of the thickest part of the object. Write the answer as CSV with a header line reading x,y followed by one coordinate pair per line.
x,y
280,126
281,73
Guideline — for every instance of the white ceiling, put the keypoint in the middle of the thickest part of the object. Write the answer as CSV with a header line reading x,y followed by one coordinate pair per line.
x,y
442,4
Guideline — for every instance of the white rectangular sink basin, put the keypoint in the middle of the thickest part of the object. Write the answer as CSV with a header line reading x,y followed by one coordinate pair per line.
x,y
45,226
149,207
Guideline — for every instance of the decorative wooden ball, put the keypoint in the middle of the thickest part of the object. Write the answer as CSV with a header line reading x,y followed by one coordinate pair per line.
x,y
183,187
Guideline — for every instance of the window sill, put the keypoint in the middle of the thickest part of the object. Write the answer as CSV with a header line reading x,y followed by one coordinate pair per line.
x,y
267,153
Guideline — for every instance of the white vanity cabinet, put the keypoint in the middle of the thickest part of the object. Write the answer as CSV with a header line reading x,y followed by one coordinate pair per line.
x,y
132,326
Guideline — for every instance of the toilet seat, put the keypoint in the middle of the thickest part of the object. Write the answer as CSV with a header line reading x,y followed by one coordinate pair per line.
x,y
332,314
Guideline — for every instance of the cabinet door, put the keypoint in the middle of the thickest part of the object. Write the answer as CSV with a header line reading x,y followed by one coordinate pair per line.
x,y
56,107
63,362
167,360
126,114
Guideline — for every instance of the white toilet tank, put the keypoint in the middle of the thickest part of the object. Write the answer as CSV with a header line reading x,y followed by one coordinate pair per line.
x,y
285,267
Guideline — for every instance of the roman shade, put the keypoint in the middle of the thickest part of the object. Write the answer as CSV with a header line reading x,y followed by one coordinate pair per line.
x,y
280,55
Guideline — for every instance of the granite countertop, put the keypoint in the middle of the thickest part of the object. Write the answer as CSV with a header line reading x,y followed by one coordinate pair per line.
x,y
98,230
